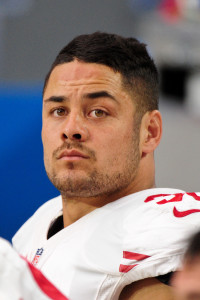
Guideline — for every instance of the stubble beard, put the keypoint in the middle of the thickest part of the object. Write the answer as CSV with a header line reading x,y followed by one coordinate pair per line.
x,y
98,183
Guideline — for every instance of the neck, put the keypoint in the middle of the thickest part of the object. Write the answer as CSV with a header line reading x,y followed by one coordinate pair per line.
x,y
75,208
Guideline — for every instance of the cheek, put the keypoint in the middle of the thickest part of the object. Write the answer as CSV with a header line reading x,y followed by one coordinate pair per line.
x,y
44,138
113,145
49,132
48,140
122,138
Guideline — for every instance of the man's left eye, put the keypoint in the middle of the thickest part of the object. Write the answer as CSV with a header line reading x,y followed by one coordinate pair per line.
x,y
98,113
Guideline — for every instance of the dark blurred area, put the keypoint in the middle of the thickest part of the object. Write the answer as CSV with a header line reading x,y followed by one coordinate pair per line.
x,y
173,82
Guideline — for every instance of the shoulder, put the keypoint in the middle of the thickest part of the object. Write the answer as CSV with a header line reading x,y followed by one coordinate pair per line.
x,y
167,202
179,205
40,219
151,203
156,231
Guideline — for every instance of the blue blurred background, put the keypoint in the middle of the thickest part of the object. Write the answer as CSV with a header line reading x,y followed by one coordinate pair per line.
x,y
24,184
31,34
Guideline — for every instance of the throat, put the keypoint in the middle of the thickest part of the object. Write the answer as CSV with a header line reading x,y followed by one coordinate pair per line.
x,y
76,208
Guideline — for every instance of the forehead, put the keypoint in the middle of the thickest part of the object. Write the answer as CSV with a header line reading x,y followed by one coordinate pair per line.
x,y
79,74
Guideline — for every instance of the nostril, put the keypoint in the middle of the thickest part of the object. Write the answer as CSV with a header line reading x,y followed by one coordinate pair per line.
x,y
65,136
77,136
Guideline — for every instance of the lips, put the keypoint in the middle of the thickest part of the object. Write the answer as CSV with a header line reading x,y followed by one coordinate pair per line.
x,y
72,155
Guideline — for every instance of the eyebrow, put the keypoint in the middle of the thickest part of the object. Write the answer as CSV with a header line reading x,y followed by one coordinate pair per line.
x,y
57,99
93,95
100,94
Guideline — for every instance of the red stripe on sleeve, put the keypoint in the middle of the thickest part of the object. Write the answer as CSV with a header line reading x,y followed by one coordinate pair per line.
x,y
125,268
45,285
134,255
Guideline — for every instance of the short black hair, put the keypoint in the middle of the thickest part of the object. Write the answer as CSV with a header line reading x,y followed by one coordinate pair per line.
x,y
127,56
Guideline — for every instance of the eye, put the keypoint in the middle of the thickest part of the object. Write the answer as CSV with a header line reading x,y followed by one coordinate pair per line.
x,y
59,112
98,113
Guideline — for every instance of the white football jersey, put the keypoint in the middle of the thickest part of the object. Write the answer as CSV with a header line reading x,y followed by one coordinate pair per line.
x,y
19,280
141,235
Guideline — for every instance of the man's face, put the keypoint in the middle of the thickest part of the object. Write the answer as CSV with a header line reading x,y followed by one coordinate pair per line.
x,y
91,145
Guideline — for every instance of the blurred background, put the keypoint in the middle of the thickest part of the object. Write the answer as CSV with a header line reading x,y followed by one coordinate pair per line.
x,y
31,34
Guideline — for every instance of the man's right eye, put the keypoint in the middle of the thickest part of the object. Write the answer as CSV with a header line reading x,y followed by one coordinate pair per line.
x,y
59,112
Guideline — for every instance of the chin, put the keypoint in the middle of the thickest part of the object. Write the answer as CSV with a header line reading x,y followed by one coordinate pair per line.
x,y
72,182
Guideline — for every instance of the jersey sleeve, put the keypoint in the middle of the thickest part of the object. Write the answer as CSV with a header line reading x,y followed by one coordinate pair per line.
x,y
155,240
21,280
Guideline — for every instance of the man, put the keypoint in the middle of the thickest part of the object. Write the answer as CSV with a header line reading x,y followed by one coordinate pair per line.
x,y
111,232
186,281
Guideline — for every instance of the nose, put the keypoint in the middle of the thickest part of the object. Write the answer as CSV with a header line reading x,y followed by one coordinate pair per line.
x,y
74,128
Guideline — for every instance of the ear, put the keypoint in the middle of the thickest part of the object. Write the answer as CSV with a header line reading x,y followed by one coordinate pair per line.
x,y
150,131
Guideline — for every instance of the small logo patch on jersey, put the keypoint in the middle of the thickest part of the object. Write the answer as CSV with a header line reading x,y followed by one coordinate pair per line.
x,y
37,256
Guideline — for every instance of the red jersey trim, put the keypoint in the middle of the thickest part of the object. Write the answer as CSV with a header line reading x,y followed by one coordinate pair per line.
x,y
45,285
126,268
181,214
134,255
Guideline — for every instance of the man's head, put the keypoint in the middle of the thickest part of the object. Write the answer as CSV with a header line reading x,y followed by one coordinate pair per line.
x,y
127,56
100,118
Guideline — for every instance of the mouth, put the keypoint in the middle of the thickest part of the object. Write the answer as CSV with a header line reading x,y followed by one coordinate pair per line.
x,y
72,155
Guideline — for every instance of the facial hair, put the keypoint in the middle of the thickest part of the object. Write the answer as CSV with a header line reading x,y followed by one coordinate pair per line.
x,y
97,182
